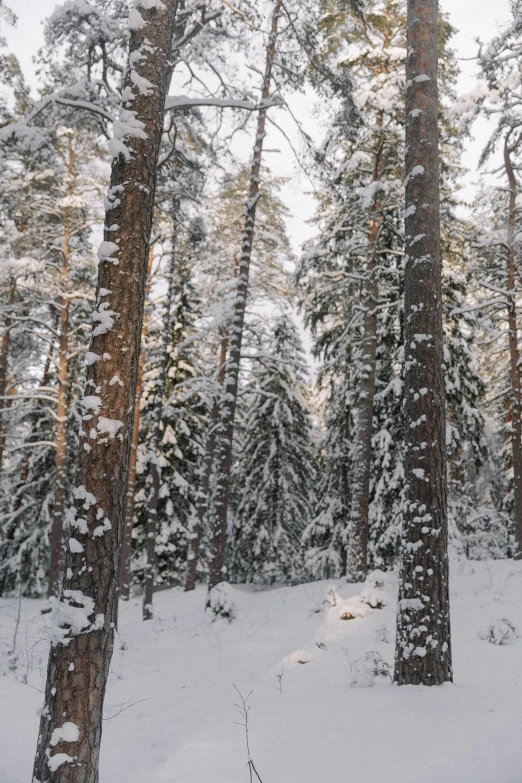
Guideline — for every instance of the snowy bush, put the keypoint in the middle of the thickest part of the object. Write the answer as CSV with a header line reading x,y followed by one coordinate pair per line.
x,y
353,608
500,631
367,668
374,593
221,602
347,608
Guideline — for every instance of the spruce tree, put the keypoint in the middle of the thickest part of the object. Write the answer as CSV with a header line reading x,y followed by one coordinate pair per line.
x,y
275,470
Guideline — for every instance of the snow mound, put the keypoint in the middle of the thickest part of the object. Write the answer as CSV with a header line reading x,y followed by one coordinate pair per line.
x,y
374,592
500,631
353,608
347,608
299,656
221,603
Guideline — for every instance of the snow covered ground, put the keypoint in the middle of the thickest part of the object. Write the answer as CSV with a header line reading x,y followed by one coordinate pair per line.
x,y
170,712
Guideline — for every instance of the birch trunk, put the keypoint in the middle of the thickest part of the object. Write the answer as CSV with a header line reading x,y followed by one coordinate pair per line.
x,y
423,652
514,354
202,500
155,473
228,409
61,428
82,629
131,484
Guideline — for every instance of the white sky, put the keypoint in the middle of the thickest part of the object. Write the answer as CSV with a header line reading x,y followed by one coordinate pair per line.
x,y
473,18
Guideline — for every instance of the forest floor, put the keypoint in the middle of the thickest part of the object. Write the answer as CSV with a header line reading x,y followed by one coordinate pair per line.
x,y
170,713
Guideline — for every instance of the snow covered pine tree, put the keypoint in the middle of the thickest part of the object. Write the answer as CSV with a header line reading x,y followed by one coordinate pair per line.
x,y
71,723
423,651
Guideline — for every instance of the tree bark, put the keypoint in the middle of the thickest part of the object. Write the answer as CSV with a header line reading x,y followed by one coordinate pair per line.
x,y
4,363
82,618
155,473
228,408
203,497
514,355
131,484
61,427
358,542
423,651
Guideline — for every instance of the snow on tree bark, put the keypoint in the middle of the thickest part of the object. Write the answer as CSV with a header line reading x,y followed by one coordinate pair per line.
x,y
61,427
423,651
82,632
228,408
155,473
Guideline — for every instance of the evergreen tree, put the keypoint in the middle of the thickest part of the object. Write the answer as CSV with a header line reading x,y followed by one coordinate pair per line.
x,y
499,97
275,471
183,419
334,272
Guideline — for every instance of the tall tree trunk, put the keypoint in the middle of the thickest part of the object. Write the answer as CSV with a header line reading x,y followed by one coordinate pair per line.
x,y
61,427
155,473
358,542
83,635
202,500
4,364
514,355
423,652
131,484
228,408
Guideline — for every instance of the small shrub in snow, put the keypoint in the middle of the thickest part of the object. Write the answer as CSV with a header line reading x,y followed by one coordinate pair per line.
x,y
382,634
221,602
333,597
373,592
367,668
353,608
500,631
347,608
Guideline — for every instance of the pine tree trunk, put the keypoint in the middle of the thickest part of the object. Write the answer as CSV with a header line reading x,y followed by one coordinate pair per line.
x,y
514,355
155,474
203,497
81,652
126,552
61,429
228,408
4,363
423,652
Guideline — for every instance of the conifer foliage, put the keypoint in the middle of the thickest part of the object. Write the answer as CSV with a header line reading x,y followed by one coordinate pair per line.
x,y
275,467
186,405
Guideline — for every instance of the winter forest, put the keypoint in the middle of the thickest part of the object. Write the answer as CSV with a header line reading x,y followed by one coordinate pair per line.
x,y
260,391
